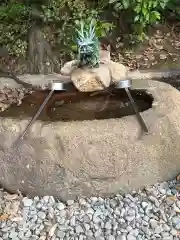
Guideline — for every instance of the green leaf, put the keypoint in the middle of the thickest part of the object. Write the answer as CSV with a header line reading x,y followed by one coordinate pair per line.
x,y
74,48
125,4
155,4
118,6
137,9
144,11
154,16
136,19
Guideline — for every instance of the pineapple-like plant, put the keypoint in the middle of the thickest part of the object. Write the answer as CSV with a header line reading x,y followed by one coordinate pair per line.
x,y
87,45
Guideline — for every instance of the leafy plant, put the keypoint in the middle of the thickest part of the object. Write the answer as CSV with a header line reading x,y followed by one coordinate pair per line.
x,y
145,12
13,11
57,18
102,28
87,44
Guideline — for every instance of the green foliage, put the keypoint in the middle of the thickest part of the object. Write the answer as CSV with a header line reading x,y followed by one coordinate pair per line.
x,y
145,12
58,19
14,22
57,15
11,38
87,44
66,13
13,12
174,7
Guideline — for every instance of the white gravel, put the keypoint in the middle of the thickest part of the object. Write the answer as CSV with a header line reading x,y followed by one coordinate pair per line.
x,y
152,213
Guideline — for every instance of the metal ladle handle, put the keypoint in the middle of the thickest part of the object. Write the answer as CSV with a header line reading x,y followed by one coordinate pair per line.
x,y
138,115
37,114
126,84
55,86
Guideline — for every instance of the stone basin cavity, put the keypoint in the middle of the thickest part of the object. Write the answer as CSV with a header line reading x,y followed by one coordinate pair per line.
x,y
83,155
78,106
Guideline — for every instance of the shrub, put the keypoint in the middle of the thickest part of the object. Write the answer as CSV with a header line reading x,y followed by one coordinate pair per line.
x,y
60,15
144,12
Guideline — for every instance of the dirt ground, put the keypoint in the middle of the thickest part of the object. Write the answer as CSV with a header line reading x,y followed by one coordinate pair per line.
x,y
160,51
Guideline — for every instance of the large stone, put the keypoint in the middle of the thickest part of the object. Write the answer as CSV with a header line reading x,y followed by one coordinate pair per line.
x,y
91,79
99,157
118,71
68,67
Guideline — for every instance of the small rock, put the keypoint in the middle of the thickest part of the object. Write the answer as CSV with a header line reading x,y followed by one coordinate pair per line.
x,y
87,218
153,223
108,226
16,219
86,226
117,212
63,213
90,211
113,203
173,232
46,199
52,230
146,218
70,202
154,200
158,229
144,205
134,232
51,200
28,234
60,206
73,221
121,237
89,233
129,218
27,202
131,237
41,238
96,219
61,220
174,191
60,234
176,222
129,228
163,56
6,236
111,237
98,233
169,202
93,200
165,235
13,235
79,229
178,204
166,228
82,202
41,215
69,67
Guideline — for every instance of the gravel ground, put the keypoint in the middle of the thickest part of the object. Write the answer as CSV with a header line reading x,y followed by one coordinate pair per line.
x,y
151,213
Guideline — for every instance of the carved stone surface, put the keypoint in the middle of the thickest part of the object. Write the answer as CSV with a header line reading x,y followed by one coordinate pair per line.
x,y
91,79
100,157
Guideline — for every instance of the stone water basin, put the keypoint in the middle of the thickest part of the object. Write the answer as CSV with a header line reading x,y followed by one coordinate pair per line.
x,y
93,146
